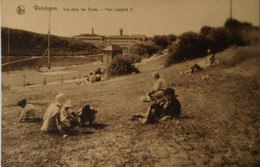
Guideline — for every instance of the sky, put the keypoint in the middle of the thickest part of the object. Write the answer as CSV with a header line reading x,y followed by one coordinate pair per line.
x,y
148,17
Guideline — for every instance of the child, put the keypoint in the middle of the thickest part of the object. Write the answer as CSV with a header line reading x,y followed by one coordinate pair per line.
x,y
87,113
58,116
29,112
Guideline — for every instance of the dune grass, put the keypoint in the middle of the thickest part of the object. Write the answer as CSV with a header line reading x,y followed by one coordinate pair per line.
x,y
219,125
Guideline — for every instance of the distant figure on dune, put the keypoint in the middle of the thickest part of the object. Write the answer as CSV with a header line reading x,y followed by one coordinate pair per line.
x,y
29,112
58,116
204,64
161,110
158,87
92,77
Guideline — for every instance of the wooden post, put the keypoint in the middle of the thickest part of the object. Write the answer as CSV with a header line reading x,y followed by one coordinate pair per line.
x,y
62,79
49,40
44,81
24,80
79,76
230,9
8,50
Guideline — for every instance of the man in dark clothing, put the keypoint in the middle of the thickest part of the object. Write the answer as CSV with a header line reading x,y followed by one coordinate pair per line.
x,y
162,110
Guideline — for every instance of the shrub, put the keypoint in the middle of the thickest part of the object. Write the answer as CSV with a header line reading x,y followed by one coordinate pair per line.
x,y
193,45
121,66
190,45
163,41
235,23
143,49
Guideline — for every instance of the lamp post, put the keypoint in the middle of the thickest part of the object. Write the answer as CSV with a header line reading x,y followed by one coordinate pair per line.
x,y
230,9
8,50
49,57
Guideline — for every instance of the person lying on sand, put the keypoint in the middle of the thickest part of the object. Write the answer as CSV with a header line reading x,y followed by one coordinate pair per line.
x,y
204,64
29,112
161,110
158,87
59,118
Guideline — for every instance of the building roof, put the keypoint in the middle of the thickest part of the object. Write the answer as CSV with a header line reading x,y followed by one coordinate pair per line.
x,y
90,38
124,37
112,47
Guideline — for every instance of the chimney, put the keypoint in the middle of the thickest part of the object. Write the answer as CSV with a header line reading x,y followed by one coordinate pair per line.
x,y
92,31
121,32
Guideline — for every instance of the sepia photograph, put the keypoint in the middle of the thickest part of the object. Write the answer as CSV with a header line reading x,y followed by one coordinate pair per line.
x,y
130,83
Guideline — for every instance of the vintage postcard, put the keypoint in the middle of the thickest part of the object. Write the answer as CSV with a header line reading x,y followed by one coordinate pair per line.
x,y
130,83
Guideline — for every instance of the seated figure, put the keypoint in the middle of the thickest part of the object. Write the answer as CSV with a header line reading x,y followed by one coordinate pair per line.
x,y
58,116
29,112
158,87
204,64
161,110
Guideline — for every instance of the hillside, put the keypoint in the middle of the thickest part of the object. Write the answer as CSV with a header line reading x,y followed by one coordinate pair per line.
x,y
219,125
25,43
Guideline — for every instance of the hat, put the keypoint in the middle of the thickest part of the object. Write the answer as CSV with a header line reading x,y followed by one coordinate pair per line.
x,y
170,91
62,100
156,74
22,102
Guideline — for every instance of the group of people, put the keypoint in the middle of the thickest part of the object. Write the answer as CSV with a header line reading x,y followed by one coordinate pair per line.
x,y
204,64
165,105
60,117
93,77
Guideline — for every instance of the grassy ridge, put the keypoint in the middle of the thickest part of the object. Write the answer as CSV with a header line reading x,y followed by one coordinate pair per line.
x,y
25,43
219,125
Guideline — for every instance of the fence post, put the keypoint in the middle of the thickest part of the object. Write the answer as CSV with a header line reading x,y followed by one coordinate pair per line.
x,y
24,80
61,78
44,81
79,76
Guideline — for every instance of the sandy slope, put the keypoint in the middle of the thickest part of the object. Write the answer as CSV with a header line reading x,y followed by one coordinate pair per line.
x,y
219,124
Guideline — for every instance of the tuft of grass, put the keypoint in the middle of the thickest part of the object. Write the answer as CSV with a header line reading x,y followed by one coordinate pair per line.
x,y
237,55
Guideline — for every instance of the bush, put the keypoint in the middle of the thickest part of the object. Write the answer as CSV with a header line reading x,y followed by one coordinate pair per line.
x,y
163,41
190,45
143,49
231,23
193,45
121,66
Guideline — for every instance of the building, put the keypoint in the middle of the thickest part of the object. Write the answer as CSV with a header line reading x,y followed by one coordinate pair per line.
x,y
110,52
124,41
91,38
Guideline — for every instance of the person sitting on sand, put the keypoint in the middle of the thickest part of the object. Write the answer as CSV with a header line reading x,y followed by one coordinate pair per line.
x,y
161,110
87,113
29,112
158,87
92,77
204,64
58,116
